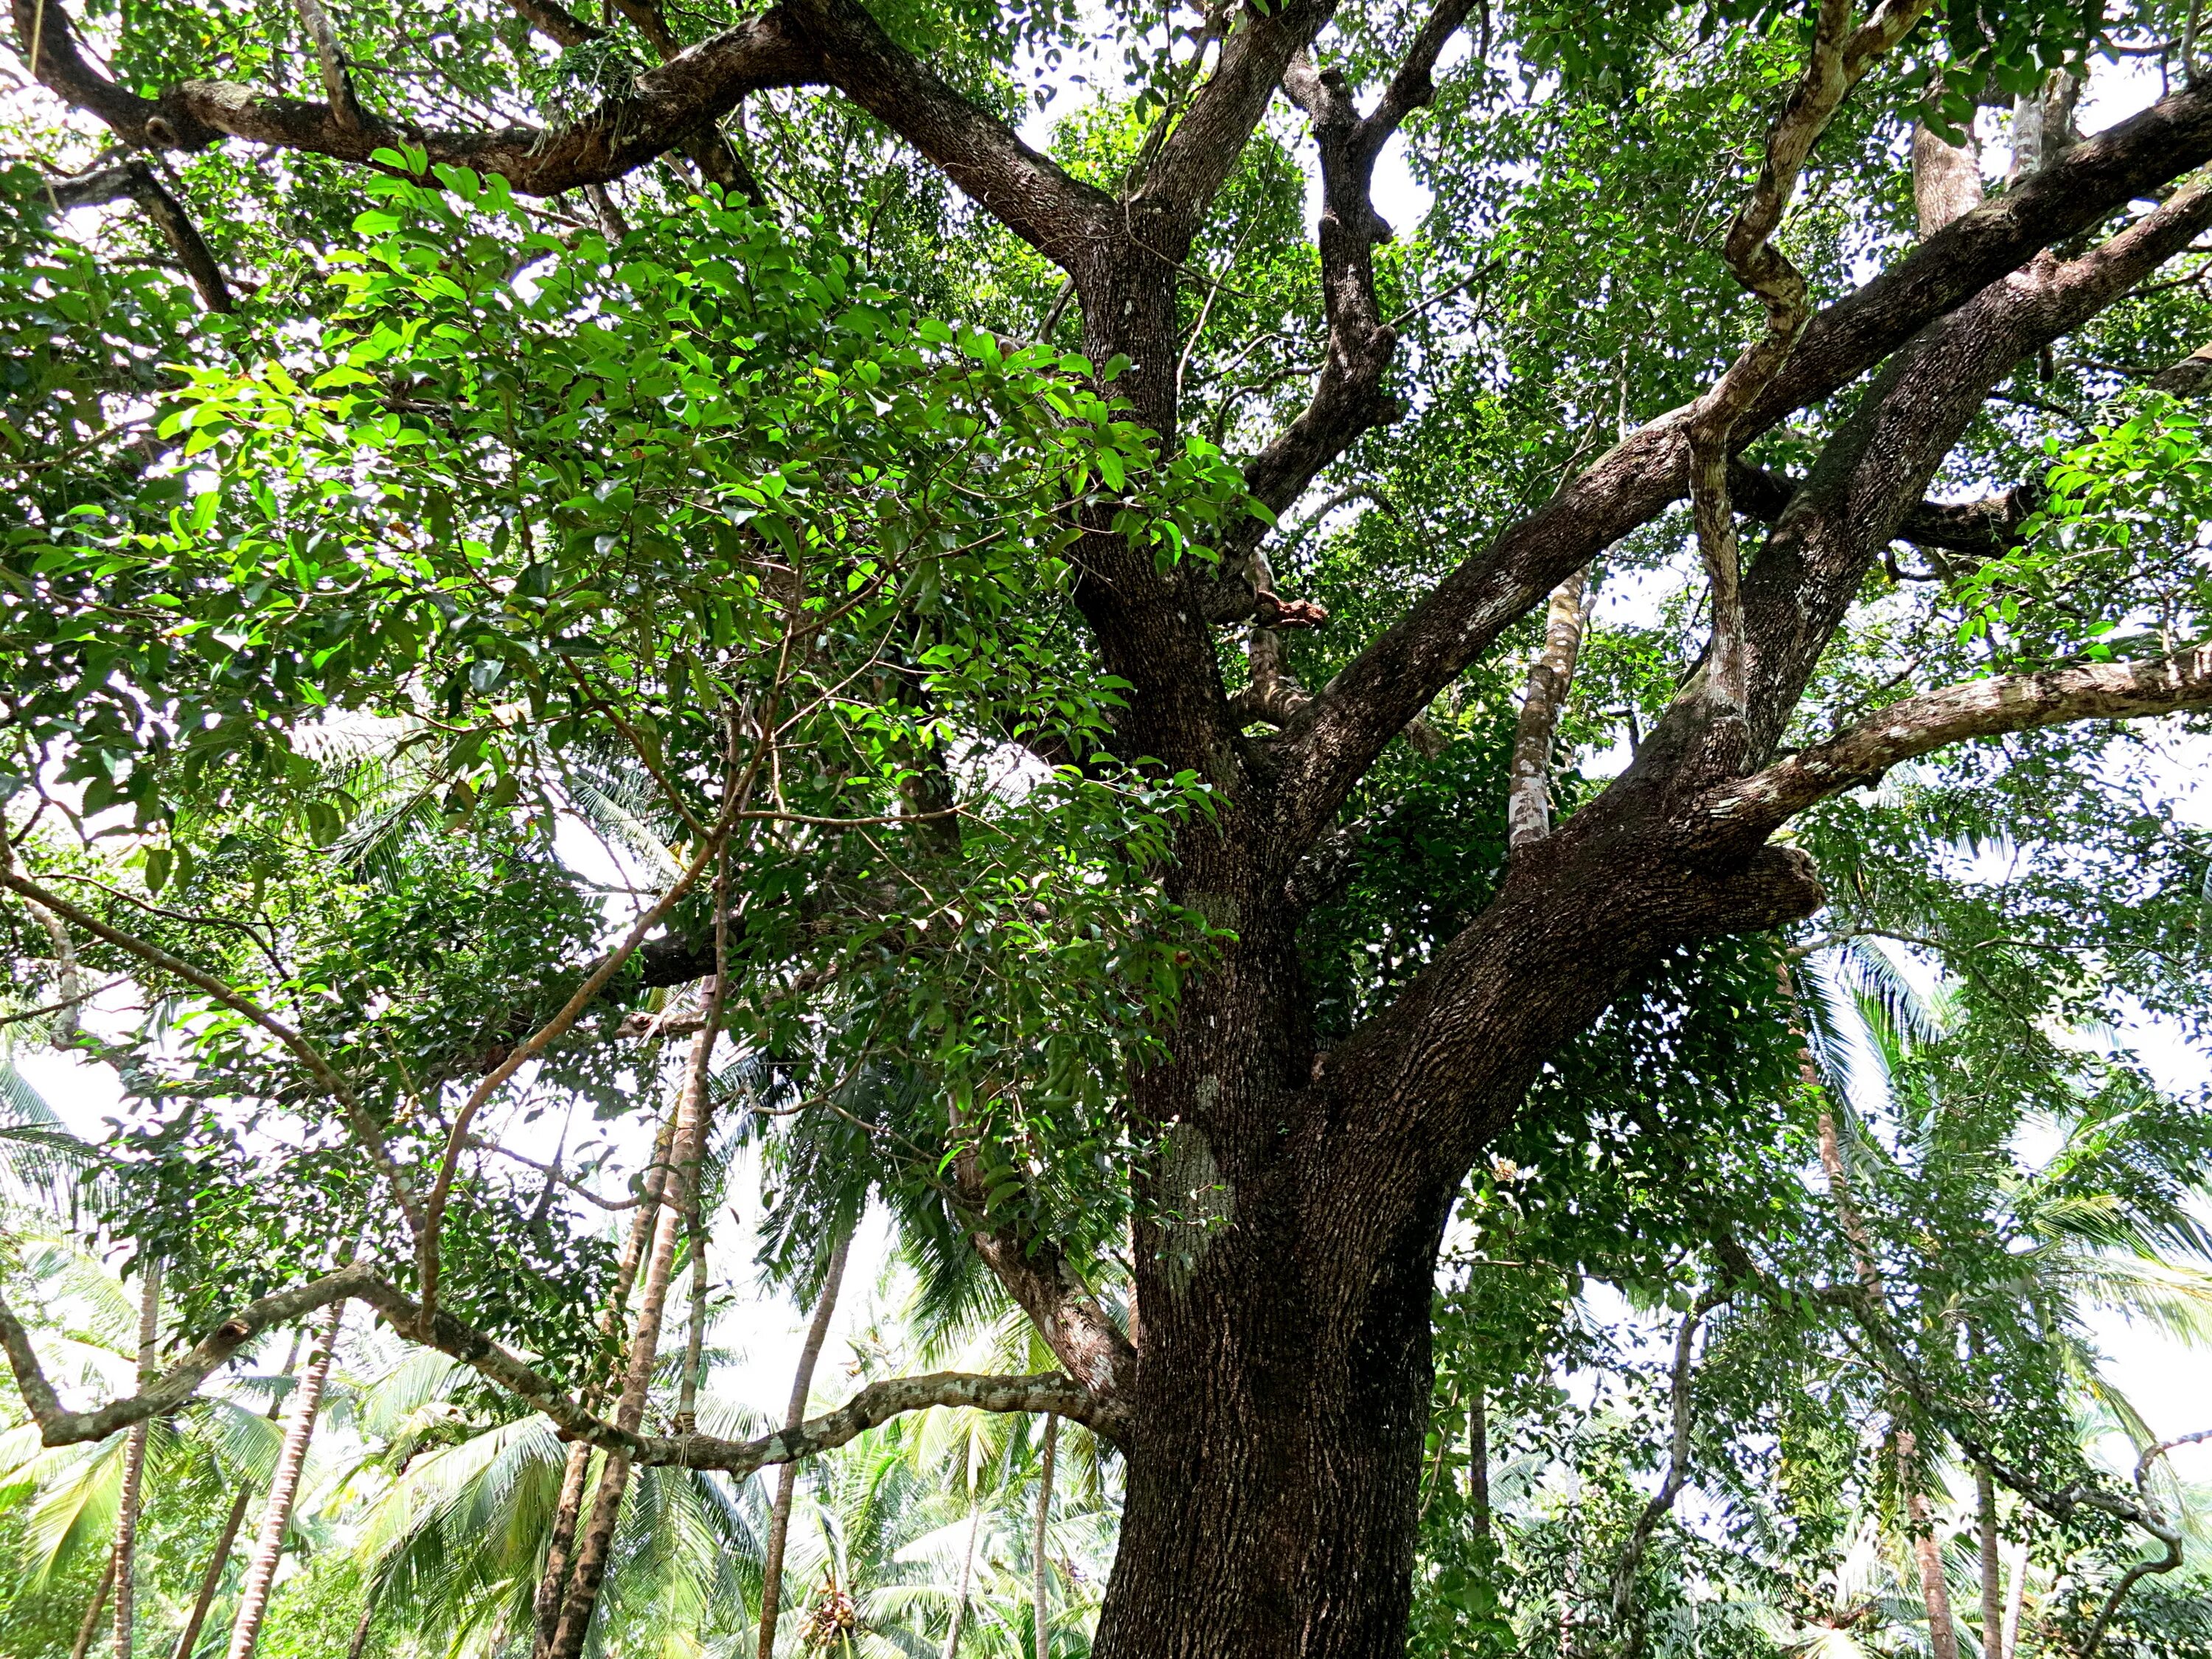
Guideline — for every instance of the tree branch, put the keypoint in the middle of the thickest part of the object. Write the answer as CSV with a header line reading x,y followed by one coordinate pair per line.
x,y
1841,55
138,182
1046,1392
1367,703
1979,709
1529,791
1982,528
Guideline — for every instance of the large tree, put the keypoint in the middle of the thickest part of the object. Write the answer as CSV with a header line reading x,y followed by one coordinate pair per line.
x,y
1616,231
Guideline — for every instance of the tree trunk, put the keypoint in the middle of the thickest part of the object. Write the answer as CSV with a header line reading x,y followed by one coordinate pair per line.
x,y
1477,1464
1934,1589
212,1580
553,1580
581,1598
1985,1508
2015,1598
90,1627
787,1475
134,1462
359,1645
1040,1560
967,1577
277,1512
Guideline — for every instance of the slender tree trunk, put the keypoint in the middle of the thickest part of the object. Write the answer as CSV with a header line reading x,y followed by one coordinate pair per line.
x,y
212,1580
134,1463
787,1475
694,1340
553,1580
90,1627
1477,1464
579,1601
2015,1597
277,1512
1528,794
1040,1560
1934,1589
367,1623
952,1632
1985,1508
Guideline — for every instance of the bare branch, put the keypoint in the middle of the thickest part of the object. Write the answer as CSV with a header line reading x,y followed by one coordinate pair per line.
x,y
1841,55
139,183
1979,709
1662,1501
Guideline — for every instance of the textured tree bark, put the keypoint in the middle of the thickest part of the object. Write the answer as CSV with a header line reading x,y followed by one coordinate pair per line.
x,y
1040,1558
1529,798
581,1598
134,1462
786,1477
219,1559
277,1513
553,1577
1947,180
1934,1589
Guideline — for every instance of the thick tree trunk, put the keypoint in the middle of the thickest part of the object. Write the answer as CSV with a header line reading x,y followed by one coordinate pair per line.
x,y
134,1464
277,1513
787,1475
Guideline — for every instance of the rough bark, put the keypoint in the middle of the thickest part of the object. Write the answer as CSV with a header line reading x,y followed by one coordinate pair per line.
x,y
134,1464
580,1599
1947,180
284,1488
1934,1591
786,1477
553,1576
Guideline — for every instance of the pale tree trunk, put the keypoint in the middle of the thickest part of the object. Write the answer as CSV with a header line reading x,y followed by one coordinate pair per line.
x,y
134,1462
1985,1508
1041,1599
786,1474
1934,1591
212,1580
553,1580
2015,1597
90,1627
580,1598
967,1577
1947,180
284,1489
1528,792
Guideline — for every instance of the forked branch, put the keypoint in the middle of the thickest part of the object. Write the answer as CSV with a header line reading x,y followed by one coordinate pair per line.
x,y
1841,55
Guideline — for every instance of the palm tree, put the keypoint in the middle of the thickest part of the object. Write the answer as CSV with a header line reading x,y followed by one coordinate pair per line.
x,y
277,1511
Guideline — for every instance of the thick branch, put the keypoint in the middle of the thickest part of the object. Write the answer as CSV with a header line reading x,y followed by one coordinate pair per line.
x,y
1047,1392
1397,674
138,182
804,42
1982,528
1841,55
1980,708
